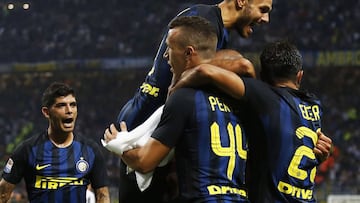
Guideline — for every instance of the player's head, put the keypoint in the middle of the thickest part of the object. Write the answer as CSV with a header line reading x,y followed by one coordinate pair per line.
x,y
59,107
281,62
190,40
243,15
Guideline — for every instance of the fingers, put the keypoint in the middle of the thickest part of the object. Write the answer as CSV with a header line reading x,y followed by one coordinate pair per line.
x,y
110,133
123,126
323,146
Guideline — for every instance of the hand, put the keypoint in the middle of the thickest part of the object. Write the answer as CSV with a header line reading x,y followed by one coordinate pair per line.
x,y
111,132
323,146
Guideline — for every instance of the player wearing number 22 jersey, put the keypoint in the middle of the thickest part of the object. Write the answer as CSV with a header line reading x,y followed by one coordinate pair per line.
x,y
281,163
210,145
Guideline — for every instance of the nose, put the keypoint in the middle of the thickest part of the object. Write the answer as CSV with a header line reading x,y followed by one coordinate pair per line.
x,y
265,18
69,108
166,54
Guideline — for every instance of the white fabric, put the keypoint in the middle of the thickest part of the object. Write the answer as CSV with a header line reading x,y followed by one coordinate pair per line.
x,y
138,137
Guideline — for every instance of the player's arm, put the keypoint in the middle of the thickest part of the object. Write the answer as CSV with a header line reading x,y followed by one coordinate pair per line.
x,y
225,80
102,195
233,61
143,159
6,189
323,146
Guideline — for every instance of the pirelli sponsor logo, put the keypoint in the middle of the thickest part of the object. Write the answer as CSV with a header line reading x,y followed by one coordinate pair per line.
x,y
53,183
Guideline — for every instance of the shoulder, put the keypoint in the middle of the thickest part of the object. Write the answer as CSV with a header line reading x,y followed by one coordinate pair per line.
x,y
182,94
32,141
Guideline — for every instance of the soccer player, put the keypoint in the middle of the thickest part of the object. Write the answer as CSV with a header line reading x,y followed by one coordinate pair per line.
x,y
57,165
238,15
283,124
210,145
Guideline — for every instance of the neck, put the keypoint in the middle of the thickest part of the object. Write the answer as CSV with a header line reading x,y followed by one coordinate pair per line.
x,y
226,15
60,139
287,84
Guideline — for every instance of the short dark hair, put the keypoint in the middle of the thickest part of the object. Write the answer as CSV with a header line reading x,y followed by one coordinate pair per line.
x,y
55,90
280,61
200,32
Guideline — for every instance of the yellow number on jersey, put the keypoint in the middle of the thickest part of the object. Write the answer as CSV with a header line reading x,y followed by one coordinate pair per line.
x,y
303,151
236,143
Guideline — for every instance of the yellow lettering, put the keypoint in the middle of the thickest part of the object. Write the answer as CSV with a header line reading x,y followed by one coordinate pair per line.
x,y
53,183
295,191
217,190
148,89
338,58
214,102
311,113
214,190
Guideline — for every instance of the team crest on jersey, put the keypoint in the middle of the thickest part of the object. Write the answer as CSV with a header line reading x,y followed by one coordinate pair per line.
x,y
82,165
9,166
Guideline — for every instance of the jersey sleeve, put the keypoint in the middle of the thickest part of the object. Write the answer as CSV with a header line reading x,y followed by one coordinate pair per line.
x,y
176,112
98,176
14,169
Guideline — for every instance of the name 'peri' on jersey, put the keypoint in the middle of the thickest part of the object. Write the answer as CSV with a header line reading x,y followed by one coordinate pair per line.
x,y
210,145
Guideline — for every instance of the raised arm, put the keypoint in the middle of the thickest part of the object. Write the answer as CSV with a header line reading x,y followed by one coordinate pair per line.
x,y
233,61
225,80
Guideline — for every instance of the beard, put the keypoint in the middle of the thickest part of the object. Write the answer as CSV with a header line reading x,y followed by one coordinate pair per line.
x,y
242,24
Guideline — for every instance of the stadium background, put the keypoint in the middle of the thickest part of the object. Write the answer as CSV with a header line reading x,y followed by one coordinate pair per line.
x,y
105,48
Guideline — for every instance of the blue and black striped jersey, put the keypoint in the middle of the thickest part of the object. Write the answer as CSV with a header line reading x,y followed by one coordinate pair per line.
x,y
149,97
281,163
211,147
57,175
153,91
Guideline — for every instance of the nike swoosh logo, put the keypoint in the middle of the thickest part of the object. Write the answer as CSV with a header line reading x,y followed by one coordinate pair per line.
x,y
38,167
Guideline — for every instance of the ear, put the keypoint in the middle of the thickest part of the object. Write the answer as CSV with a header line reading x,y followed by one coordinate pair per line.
x,y
299,76
45,112
189,50
240,3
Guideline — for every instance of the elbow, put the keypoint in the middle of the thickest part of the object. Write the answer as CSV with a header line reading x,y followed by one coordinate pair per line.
x,y
246,69
204,73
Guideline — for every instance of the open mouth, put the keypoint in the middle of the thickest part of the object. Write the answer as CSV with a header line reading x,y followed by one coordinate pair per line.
x,y
68,120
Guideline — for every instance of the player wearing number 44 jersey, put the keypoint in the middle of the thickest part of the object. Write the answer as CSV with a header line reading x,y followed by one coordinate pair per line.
x,y
283,124
210,146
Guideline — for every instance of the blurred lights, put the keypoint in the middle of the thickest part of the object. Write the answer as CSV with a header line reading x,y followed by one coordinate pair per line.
x,y
10,6
23,6
26,6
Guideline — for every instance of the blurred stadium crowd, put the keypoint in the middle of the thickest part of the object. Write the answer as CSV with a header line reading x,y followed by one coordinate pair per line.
x,y
68,29
91,29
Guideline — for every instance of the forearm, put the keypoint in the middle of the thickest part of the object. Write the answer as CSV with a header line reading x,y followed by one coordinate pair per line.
x,y
241,66
102,195
5,190
225,80
147,158
133,159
